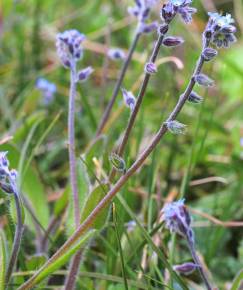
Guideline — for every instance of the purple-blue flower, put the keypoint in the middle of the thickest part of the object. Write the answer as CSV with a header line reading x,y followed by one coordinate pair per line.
x,y
177,218
129,99
84,74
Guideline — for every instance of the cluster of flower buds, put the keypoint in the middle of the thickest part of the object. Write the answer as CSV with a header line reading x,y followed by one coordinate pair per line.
x,y
181,7
118,163
8,178
178,220
69,47
47,89
175,127
129,99
116,54
220,30
141,11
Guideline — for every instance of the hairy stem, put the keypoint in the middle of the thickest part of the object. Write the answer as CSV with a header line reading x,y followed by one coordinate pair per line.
x,y
118,84
17,239
120,183
71,143
74,266
138,102
197,261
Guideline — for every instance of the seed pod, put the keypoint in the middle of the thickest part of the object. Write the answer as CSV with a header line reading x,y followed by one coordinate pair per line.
x,y
209,53
150,68
173,41
118,163
203,80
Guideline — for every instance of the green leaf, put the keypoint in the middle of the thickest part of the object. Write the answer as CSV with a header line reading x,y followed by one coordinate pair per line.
x,y
238,281
95,150
2,261
63,259
35,262
93,199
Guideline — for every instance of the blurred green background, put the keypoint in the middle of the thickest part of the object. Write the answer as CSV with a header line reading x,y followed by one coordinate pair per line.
x,y
209,157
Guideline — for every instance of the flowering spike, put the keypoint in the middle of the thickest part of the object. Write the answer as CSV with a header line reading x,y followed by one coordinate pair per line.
x,y
129,99
175,127
7,177
118,163
220,30
150,68
203,80
69,48
173,41
116,54
186,268
84,74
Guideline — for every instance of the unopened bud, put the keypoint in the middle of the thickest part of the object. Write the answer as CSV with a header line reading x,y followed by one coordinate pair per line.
x,y
186,268
175,127
116,54
129,99
148,28
118,163
194,98
150,68
209,53
228,29
203,80
173,41
163,29
84,74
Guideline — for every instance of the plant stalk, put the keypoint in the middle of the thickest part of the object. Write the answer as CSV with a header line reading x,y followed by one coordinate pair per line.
x,y
123,179
110,105
138,102
197,262
74,265
17,239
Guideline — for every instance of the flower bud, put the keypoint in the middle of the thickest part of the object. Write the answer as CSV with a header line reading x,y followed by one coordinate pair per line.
x,y
168,12
173,41
186,268
150,68
175,127
209,53
129,99
116,54
148,28
203,80
117,162
228,29
163,28
84,74
194,98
